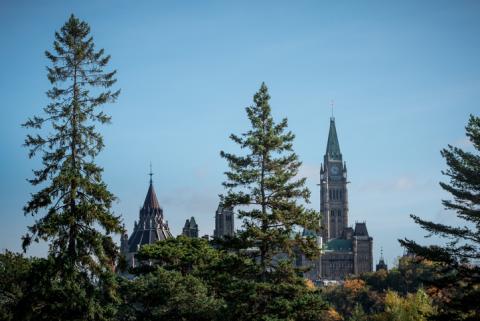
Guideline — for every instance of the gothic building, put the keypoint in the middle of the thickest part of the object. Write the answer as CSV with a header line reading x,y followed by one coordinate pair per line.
x,y
345,250
191,228
224,222
150,227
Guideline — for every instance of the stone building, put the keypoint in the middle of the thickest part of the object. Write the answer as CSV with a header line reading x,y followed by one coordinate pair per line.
x,y
345,250
224,222
191,228
150,227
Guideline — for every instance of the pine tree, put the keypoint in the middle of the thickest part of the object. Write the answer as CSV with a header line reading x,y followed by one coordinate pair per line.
x,y
264,186
78,219
457,275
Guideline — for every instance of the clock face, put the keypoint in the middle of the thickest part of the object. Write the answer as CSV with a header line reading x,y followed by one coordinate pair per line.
x,y
334,170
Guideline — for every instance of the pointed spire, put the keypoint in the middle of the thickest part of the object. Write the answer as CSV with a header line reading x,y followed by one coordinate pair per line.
x,y
333,147
151,200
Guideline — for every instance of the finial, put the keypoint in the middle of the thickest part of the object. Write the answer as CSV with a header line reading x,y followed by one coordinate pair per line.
x,y
332,104
150,174
381,253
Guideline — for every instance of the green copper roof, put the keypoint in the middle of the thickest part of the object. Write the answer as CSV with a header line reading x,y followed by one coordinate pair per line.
x,y
339,245
333,147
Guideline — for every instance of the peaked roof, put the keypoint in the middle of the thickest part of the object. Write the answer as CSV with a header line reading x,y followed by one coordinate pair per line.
x,y
193,224
151,200
360,229
151,227
333,147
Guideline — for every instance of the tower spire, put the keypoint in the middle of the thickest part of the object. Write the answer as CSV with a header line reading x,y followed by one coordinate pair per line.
x,y
333,147
151,174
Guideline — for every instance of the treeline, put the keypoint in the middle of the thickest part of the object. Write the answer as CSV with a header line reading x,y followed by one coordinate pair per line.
x,y
249,277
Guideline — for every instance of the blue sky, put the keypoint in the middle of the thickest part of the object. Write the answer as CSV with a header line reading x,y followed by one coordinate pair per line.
x,y
404,76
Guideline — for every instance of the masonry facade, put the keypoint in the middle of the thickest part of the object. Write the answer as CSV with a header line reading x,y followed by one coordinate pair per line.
x,y
224,222
190,228
345,250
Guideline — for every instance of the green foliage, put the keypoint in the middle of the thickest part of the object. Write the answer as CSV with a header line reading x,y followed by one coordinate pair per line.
x,y
75,198
168,295
187,272
414,307
34,289
409,276
76,280
358,314
263,184
457,280
14,270
183,254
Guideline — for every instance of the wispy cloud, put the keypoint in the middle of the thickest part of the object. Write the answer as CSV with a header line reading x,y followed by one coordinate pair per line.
x,y
396,184
188,199
311,172
463,142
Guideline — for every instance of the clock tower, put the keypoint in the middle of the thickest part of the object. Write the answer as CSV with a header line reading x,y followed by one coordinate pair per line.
x,y
333,189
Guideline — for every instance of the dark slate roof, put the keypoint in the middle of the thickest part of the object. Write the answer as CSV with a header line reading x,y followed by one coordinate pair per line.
x,y
151,226
151,200
193,224
360,229
333,147
142,236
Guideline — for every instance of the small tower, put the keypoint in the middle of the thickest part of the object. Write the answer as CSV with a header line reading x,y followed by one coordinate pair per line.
x,y
381,263
191,228
224,222
362,249
150,227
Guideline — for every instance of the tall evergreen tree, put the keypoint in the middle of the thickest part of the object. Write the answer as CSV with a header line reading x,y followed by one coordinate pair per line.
x,y
78,219
460,273
263,184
